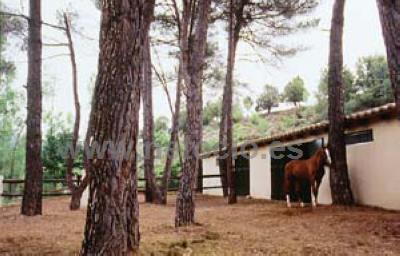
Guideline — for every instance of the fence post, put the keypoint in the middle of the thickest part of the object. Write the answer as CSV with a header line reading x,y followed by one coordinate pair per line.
x,y
78,180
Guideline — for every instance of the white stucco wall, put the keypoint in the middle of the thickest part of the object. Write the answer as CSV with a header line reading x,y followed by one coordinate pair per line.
x,y
210,167
374,174
324,193
373,168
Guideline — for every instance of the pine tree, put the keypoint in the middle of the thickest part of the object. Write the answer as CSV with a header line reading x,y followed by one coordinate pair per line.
x,y
339,176
112,223
32,199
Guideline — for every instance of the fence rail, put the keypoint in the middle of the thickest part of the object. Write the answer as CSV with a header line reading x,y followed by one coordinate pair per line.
x,y
64,191
13,183
19,181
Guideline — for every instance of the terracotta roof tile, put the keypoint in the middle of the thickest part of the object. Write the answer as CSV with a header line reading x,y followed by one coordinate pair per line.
x,y
318,128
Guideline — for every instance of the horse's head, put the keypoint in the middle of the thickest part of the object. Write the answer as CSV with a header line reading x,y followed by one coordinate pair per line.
x,y
326,156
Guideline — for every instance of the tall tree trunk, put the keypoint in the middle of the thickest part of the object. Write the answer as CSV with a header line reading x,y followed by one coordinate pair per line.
x,y
339,176
112,224
227,168
32,199
233,41
151,191
174,137
199,171
185,205
222,145
389,12
76,191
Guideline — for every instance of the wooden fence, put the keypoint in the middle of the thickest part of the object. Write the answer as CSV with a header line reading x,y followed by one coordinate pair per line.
x,y
59,186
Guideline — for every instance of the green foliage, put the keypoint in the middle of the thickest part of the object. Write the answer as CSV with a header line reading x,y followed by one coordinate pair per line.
x,y
295,91
161,138
56,145
161,132
211,112
248,103
161,124
242,132
266,20
214,71
12,154
268,99
237,113
321,108
9,26
12,148
175,171
348,81
369,87
373,86
288,122
7,68
260,122
210,144
182,120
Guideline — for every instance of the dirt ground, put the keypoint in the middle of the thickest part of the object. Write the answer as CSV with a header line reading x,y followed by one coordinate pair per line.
x,y
252,227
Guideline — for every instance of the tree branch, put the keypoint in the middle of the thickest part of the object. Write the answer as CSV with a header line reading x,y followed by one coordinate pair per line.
x,y
55,45
27,18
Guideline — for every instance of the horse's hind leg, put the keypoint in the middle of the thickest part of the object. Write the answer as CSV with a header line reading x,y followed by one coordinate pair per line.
x,y
298,193
314,193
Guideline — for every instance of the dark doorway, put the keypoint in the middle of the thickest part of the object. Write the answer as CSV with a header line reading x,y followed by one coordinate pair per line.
x,y
242,175
280,156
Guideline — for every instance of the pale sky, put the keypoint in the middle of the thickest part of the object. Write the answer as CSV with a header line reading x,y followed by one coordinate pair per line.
x,y
362,37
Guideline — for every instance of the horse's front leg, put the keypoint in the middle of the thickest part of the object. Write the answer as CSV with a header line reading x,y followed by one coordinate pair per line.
x,y
314,193
289,205
287,186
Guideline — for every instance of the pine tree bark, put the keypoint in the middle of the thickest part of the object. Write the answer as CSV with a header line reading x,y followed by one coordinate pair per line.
x,y
152,193
230,167
339,176
389,12
193,75
32,199
112,224
148,126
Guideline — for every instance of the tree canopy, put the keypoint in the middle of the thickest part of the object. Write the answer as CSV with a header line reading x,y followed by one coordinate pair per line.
x,y
268,99
368,87
295,91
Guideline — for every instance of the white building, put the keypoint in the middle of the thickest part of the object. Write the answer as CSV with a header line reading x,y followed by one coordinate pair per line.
x,y
373,151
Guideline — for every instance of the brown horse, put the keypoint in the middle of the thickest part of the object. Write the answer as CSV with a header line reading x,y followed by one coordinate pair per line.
x,y
311,170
